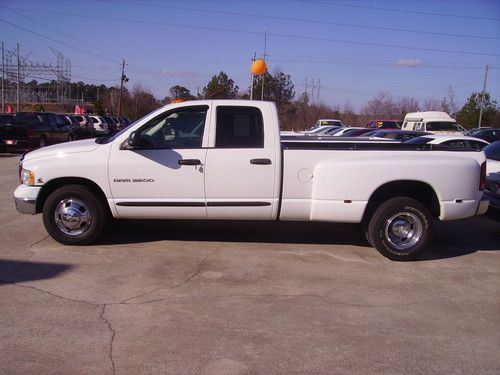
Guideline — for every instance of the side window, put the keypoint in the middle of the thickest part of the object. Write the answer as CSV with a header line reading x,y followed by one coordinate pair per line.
x,y
456,144
239,127
181,128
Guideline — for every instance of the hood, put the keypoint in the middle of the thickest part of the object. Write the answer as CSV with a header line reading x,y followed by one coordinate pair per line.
x,y
85,145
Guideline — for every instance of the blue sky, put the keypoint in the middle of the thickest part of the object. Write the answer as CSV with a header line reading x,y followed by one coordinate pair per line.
x,y
353,48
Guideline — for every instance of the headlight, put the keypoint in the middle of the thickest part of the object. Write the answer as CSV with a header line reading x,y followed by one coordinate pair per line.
x,y
27,177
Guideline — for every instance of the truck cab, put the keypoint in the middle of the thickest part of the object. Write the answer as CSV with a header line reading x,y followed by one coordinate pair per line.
x,y
433,122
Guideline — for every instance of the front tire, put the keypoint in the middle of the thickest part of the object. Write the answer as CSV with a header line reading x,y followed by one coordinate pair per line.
x,y
400,228
74,215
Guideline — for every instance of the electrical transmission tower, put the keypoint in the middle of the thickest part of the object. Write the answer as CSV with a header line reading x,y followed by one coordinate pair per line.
x,y
19,71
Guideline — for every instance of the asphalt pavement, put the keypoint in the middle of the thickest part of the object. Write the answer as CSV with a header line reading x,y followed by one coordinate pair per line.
x,y
220,298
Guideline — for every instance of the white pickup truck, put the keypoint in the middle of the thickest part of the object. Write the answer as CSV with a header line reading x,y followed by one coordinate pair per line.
x,y
224,159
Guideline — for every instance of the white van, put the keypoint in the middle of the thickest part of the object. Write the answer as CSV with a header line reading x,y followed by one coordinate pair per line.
x,y
434,122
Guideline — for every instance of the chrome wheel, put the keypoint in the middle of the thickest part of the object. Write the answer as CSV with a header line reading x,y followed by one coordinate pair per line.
x,y
72,217
403,230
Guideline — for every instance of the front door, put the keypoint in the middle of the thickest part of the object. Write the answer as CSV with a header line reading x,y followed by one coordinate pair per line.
x,y
164,177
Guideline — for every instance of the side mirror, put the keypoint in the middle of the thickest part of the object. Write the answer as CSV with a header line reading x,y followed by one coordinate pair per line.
x,y
134,140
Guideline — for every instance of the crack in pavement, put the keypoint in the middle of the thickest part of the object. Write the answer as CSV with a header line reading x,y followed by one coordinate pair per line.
x,y
195,272
101,316
37,242
113,333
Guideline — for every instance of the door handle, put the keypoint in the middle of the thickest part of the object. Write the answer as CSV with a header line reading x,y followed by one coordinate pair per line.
x,y
261,161
189,162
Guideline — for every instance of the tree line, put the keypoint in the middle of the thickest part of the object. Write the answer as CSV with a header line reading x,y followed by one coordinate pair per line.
x,y
295,113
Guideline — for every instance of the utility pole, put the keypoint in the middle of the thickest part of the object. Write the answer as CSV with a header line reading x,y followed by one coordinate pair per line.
x,y
264,74
313,87
3,79
253,79
481,105
123,79
319,87
18,72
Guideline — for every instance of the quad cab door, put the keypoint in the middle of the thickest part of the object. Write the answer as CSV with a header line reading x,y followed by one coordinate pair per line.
x,y
162,174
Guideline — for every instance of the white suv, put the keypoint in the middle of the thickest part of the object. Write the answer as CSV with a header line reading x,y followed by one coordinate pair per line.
x,y
100,124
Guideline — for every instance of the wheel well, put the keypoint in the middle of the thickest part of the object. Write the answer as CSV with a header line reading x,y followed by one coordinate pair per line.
x,y
417,190
52,185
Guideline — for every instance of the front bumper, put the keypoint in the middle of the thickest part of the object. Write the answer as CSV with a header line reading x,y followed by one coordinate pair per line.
x,y
25,199
25,205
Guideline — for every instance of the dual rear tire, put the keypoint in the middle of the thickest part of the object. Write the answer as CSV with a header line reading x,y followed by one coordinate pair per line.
x,y
400,228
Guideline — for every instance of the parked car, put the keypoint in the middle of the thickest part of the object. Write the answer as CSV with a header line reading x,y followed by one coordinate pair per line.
x,y
454,142
30,130
100,125
322,130
322,126
492,193
74,125
398,135
489,135
123,122
86,125
352,132
473,131
111,124
492,153
5,118
384,124
430,121
126,121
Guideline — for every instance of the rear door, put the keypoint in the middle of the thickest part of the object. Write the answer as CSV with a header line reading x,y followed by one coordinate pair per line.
x,y
241,168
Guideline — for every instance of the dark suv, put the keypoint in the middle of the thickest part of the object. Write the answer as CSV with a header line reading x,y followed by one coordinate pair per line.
x,y
30,130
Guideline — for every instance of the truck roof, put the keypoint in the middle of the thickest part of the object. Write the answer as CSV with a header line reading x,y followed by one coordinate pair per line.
x,y
428,116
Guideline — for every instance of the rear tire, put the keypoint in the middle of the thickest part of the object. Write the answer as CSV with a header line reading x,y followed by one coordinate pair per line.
x,y
400,229
74,215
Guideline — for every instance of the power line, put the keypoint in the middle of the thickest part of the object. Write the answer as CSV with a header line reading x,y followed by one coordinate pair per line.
x,y
51,39
61,32
304,20
345,60
279,35
399,10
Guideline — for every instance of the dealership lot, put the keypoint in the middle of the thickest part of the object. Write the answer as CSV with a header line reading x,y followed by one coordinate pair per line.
x,y
244,298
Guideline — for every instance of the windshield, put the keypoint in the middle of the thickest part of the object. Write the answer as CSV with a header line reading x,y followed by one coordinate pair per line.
x,y
493,151
442,126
